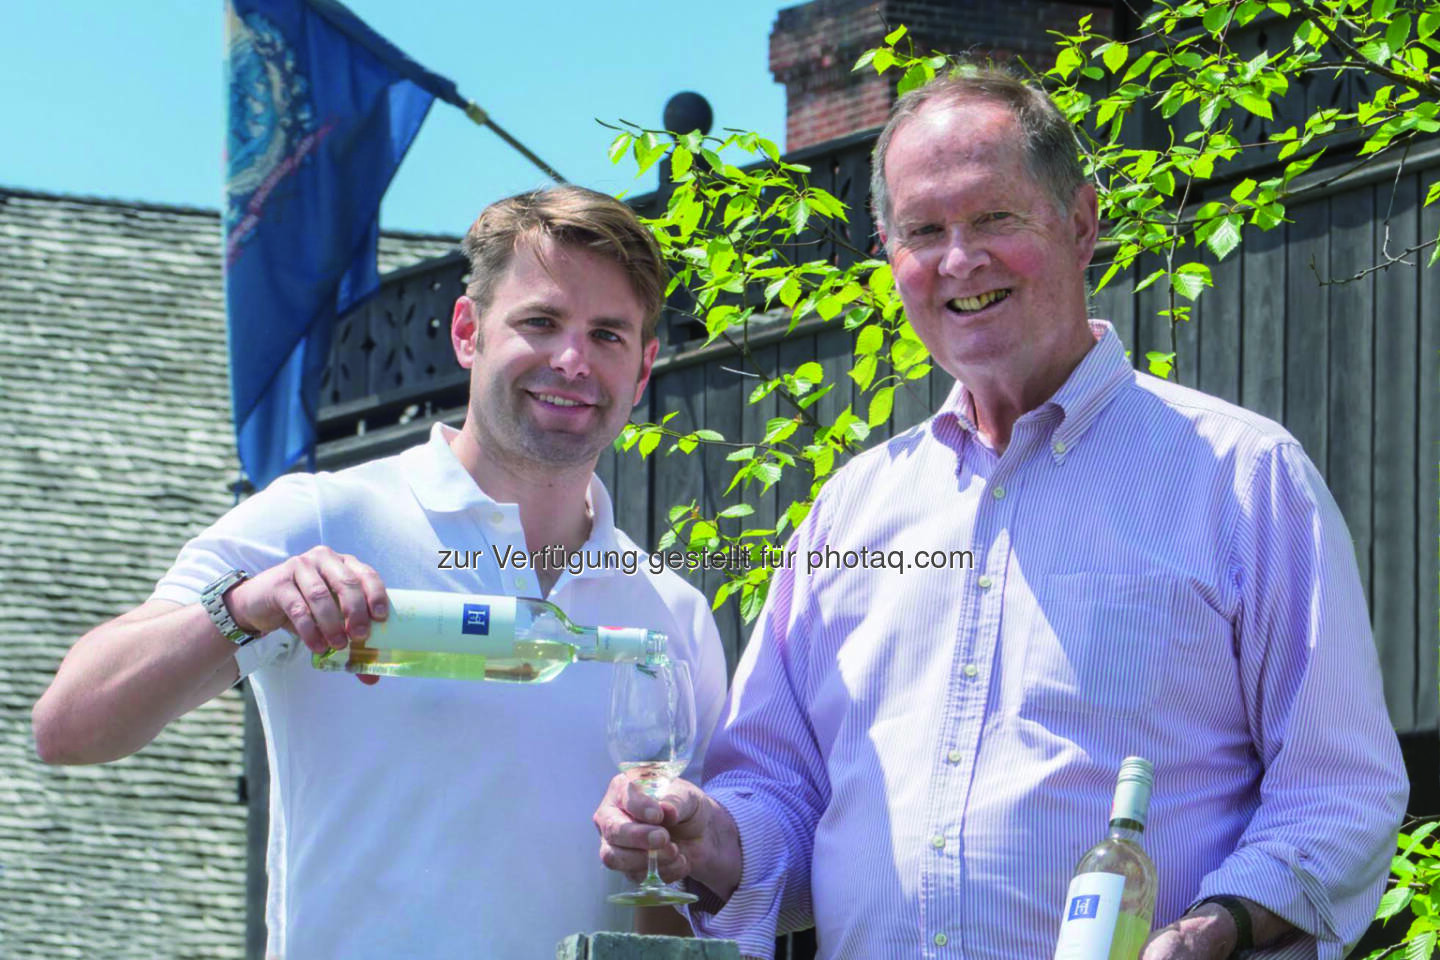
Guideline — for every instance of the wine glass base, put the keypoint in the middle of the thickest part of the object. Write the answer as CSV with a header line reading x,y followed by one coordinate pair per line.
x,y
652,897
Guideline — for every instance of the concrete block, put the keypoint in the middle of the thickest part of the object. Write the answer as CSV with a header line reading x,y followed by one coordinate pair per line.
x,y
633,946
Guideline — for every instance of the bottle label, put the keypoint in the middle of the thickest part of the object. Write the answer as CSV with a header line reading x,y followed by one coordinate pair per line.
x,y
446,623
620,643
1091,908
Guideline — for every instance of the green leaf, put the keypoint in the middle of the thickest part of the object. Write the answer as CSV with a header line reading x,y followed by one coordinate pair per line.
x,y
864,371
1256,105
1225,238
917,75
882,60
680,162
893,37
1381,9
880,405
1066,62
767,473
1216,17
1160,363
739,510
881,280
1433,193
1398,33
1149,280
618,146
1242,190
1393,902
869,341
744,453
1422,947
667,540
1377,51
810,372
864,60
649,442
1189,279
1115,56
1428,23
712,436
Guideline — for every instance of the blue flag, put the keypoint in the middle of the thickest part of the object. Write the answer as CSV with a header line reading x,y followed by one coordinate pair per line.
x,y
321,112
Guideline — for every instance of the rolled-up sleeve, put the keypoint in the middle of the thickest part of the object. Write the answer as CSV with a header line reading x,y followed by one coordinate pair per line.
x,y
765,767
1334,788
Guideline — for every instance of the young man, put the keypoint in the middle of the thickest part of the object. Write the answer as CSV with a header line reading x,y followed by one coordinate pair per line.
x,y
1156,572
427,817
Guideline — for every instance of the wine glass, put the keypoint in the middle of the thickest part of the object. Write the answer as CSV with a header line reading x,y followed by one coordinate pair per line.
x,y
651,734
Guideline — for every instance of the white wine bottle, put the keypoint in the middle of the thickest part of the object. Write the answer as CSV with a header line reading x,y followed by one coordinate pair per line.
x,y
461,636
1111,899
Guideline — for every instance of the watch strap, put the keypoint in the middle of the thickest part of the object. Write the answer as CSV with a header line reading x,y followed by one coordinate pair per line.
x,y
212,598
1244,931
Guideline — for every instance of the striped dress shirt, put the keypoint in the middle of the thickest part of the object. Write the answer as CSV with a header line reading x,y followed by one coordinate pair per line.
x,y
924,731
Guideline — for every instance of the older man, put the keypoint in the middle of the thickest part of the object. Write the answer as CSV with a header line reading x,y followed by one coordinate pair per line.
x,y
915,761
427,818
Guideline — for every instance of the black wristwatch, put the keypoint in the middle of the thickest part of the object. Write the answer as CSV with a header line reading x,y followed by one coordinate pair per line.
x,y
1244,932
212,598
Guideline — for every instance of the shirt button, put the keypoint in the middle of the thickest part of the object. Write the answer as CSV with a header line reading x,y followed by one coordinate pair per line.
x,y
998,493
496,517
971,669
941,939
985,582
518,583
1058,446
938,842
953,756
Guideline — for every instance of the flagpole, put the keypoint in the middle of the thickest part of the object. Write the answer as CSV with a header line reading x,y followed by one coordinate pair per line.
x,y
477,113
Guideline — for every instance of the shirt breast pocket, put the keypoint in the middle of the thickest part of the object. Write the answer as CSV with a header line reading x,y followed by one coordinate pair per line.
x,y
1103,644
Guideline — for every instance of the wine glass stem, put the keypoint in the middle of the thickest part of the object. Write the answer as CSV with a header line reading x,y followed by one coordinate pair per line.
x,y
652,874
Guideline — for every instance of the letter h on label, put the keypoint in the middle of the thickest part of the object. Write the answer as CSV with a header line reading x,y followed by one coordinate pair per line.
x,y
477,619
1084,908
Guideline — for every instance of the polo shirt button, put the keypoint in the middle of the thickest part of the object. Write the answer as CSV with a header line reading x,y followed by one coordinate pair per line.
x,y
953,756
941,939
497,517
998,493
1058,446
971,669
938,841
518,583
985,581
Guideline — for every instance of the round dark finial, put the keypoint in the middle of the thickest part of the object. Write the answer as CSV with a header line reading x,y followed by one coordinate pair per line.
x,y
688,111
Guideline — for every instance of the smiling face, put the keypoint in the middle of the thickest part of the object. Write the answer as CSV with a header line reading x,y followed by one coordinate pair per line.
x,y
990,271
556,360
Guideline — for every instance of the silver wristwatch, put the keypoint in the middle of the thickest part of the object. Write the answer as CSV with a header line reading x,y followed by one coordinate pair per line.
x,y
212,598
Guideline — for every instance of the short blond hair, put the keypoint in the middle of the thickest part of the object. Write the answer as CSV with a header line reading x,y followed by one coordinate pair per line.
x,y
569,215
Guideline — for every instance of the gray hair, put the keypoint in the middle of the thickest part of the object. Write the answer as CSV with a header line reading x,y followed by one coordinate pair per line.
x,y
1051,152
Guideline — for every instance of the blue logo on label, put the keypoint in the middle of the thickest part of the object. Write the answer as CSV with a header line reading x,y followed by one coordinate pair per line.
x,y
1084,908
477,619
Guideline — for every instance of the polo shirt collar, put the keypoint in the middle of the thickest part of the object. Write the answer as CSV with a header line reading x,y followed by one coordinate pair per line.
x,y
441,484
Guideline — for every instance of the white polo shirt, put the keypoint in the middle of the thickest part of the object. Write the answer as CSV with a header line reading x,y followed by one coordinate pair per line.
x,y
437,818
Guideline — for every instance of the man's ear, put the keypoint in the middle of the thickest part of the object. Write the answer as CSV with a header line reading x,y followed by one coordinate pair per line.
x,y
647,361
1084,221
464,331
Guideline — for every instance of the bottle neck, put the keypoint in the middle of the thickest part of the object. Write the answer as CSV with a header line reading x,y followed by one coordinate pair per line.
x,y
1123,828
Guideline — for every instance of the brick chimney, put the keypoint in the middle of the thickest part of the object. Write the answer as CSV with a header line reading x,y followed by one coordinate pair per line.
x,y
814,45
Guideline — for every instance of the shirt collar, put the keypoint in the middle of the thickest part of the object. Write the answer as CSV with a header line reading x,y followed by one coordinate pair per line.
x,y
1090,386
442,485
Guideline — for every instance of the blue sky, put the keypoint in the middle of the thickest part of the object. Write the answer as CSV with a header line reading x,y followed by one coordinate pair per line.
x,y
124,99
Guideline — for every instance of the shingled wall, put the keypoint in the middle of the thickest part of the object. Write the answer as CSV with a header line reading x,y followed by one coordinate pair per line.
x,y
115,447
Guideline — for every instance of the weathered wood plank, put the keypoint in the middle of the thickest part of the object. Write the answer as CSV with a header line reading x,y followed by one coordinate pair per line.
x,y
1217,323
1349,429
724,401
1427,710
1116,303
1262,322
753,419
677,478
1393,604
1307,329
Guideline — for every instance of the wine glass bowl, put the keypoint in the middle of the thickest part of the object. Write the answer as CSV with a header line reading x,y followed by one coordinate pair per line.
x,y
650,731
